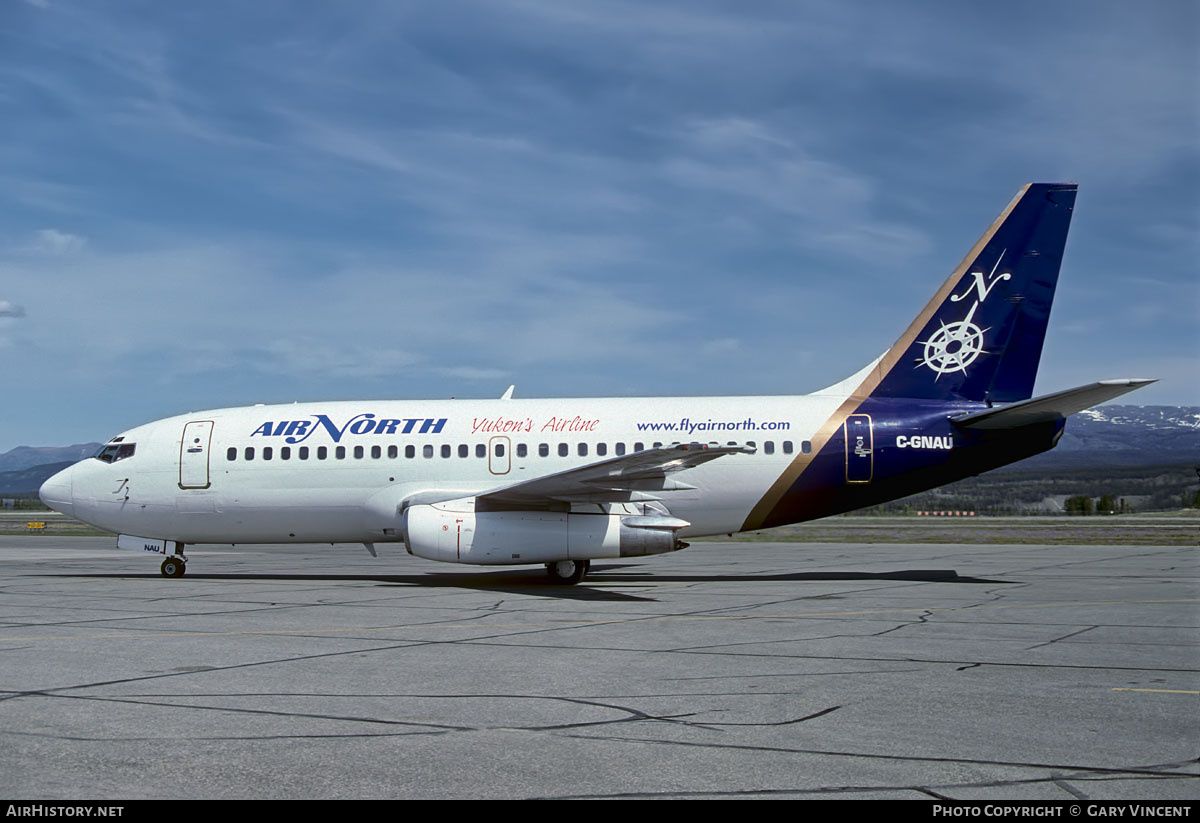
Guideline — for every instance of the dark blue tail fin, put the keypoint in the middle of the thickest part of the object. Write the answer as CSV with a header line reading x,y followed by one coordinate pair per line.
x,y
980,337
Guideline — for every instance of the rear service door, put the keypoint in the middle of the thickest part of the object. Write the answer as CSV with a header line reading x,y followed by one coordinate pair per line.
x,y
860,449
193,454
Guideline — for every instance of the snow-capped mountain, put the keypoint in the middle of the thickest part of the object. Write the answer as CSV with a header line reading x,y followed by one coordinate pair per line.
x,y
1120,435
1153,417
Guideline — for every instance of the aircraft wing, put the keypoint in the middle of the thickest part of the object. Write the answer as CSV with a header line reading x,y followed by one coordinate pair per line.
x,y
1050,406
642,475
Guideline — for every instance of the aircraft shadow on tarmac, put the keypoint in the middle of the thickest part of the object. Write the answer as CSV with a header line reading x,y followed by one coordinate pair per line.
x,y
535,582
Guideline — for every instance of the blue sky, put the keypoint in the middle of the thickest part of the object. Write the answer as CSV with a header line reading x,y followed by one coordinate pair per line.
x,y
228,203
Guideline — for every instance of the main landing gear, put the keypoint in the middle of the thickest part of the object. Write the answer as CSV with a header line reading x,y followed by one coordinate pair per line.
x,y
173,566
568,572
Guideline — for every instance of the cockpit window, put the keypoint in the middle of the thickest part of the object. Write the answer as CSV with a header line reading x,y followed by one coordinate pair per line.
x,y
115,451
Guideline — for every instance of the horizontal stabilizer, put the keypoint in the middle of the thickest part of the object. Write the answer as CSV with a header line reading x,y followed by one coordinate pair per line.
x,y
1049,407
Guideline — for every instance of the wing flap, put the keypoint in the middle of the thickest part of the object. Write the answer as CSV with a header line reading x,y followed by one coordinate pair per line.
x,y
632,477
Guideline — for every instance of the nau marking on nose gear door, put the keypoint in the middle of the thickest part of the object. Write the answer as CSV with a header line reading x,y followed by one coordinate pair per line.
x,y
193,455
860,449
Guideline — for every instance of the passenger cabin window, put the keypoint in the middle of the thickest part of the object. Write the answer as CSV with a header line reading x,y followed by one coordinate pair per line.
x,y
446,450
563,449
464,450
285,453
231,453
543,449
620,448
322,452
769,447
806,446
480,450
583,449
249,453
340,453
427,451
114,452
267,453
393,451
499,449
303,454
410,451
358,452
522,450
601,449
787,446
376,452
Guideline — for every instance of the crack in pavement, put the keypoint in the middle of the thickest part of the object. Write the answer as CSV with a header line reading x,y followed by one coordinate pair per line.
x,y
1064,637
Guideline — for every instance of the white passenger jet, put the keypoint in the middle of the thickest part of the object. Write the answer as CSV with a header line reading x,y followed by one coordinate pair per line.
x,y
565,482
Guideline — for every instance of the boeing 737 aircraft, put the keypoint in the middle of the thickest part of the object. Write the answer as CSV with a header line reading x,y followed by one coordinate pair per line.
x,y
565,482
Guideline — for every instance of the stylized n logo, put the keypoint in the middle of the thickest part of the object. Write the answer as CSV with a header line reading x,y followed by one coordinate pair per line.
x,y
981,287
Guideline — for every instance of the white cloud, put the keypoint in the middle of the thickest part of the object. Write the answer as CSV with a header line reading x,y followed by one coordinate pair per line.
x,y
330,357
397,198
473,373
9,313
828,206
735,132
723,345
53,241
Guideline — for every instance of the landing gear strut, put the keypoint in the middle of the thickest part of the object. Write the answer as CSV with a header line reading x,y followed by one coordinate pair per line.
x,y
173,567
568,572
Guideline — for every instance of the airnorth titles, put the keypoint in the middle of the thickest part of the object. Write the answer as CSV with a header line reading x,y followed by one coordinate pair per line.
x,y
297,431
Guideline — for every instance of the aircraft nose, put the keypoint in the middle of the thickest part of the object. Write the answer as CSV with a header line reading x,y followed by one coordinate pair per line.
x,y
58,493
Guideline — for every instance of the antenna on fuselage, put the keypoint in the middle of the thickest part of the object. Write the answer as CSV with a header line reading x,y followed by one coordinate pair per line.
x,y
508,393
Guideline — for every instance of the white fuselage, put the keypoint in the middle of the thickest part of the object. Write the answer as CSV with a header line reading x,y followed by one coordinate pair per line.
x,y
336,472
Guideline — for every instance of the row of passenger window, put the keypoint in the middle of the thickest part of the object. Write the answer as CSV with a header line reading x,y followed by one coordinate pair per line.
x,y
463,450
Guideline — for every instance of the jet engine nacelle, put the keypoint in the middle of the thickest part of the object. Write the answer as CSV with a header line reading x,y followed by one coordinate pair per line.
x,y
454,532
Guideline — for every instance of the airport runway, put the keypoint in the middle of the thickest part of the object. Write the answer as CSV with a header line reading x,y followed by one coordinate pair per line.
x,y
726,670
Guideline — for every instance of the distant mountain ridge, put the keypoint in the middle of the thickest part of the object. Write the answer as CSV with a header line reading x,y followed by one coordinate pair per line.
x,y
26,482
1121,435
1155,417
24,469
26,457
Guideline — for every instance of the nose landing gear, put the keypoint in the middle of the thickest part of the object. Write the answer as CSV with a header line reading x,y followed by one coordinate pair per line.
x,y
173,566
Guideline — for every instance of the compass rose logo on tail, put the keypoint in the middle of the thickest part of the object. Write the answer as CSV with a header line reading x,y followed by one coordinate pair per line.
x,y
955,345
980,336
